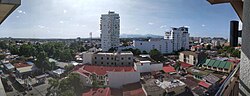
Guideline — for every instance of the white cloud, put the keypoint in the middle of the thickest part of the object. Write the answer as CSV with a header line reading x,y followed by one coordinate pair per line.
x,y
203,25
65,11
61,22
17,16
41,26
136,29
187,26
21,12
163,26
150,23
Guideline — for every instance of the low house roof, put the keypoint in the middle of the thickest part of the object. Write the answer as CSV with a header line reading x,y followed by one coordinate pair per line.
x,y
59,71
168,69
133,89
9,66
102,70
98,92
185,65
211,78
218,63
204,84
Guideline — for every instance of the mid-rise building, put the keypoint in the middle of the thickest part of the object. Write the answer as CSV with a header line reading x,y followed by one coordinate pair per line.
x,y
123,58
162,45
114,77
192,58
110,31
147,65
179,37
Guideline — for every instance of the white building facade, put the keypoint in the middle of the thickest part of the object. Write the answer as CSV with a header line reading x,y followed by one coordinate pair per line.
x,y
147,66
163,45
110,31
179,37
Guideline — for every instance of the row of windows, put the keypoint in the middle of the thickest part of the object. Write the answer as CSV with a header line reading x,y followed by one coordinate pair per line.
x,y
129,58
113,63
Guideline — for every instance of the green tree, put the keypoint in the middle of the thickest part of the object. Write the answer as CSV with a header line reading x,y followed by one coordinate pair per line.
x,y
236,53
14,49
144,52
3,45
27,50
156,55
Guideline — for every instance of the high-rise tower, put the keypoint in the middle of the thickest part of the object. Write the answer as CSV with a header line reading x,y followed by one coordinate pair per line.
x,y
110,31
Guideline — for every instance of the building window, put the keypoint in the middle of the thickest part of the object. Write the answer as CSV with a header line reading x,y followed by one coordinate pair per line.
x,y
112,58
101,62
102,58
129,58
129,63
141,43
107,58
95,62
122,58
95,58
122,63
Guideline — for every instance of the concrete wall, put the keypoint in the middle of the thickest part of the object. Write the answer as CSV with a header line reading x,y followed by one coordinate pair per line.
x,y
147,67
245,54
117,79
87,57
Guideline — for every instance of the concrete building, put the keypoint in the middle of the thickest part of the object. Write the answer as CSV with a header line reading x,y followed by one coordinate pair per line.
x,y
217,65
87,57
110,31
218,42
241,7
179,37
193,58
173,88
150,88
113,58
163,45
115,77
146,65
205,40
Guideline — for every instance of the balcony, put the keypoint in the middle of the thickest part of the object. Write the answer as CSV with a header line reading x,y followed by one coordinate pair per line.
x,y
7,7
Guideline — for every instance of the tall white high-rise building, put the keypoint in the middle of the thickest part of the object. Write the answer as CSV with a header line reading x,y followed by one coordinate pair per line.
x,y
110,31
180,38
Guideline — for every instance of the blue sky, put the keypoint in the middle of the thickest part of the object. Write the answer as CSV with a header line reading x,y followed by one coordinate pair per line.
x,y
76,18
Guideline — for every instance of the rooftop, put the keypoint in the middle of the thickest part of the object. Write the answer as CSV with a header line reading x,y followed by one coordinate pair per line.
x,y
211,78
98,92
170,84
151,86
204,84
168,69
102,70
218,63
133,89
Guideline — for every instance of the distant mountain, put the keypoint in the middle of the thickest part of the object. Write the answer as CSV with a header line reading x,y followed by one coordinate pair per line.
x,y
140,36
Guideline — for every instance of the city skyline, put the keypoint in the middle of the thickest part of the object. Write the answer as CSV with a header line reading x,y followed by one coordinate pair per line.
x,y
76,18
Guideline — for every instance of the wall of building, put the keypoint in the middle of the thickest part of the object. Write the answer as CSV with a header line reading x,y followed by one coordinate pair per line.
x,y
113,59
163,45
87,57
148,67
110,31
117,79
245,54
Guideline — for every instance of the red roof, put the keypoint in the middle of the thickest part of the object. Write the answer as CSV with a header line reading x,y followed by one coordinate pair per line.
x,y
185,65
20,65
133,89
204,84
102,70
98,92
234,61
168,69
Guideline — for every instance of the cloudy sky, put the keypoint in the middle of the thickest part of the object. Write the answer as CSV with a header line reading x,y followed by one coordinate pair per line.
x,y
76,18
